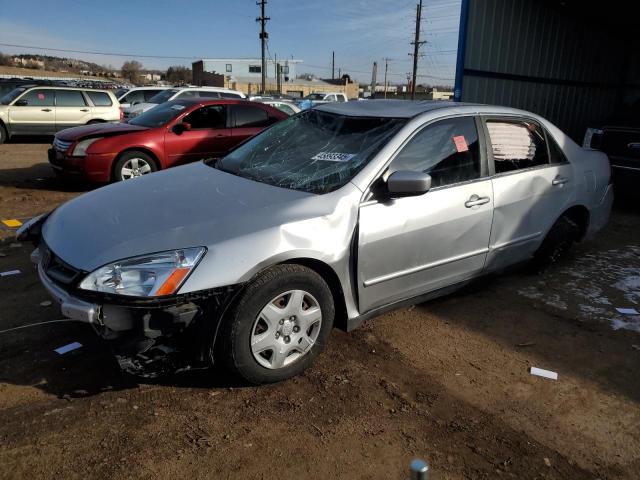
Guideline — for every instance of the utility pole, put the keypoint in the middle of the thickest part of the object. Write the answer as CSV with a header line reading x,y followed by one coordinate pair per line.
x,y
416,46
263,40
333,64
386,67
374,77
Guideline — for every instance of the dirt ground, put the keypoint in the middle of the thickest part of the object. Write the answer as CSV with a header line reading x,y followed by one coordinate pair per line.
x,y
446,381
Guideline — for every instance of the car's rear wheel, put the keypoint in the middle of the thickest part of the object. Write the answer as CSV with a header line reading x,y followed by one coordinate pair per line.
x,y
3,134
279,325
557,243
133,164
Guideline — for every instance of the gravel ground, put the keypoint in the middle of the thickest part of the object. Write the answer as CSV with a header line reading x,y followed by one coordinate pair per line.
x,y
446,381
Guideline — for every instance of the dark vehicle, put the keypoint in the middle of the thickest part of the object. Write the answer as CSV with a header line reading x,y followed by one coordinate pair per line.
x,y
619,138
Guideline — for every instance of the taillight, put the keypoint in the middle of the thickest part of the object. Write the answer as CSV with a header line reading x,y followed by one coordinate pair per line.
x,y
121,113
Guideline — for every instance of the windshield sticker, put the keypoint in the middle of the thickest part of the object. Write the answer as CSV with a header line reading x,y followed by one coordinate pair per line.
x,y
461,144
178,107
334,156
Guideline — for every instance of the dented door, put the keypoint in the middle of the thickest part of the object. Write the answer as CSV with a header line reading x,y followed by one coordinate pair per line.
x,y
409,246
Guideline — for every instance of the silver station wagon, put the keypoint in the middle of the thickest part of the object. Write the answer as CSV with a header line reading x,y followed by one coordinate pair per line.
x,y
328,218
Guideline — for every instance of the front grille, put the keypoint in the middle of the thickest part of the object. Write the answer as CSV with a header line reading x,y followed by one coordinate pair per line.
x,y
56,269
61,145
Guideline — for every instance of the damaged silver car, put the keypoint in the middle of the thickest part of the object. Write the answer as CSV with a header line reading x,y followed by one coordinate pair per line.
x,y
328,218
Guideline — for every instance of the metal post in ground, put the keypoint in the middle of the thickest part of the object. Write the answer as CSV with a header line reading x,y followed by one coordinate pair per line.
x,y
419,470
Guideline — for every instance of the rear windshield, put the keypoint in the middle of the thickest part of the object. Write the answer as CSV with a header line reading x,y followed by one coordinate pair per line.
x,y
163,96
12,95
315,151
160,115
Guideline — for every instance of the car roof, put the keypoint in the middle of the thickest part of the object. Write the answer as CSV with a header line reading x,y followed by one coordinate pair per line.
x,y
150,87
58,87
388,108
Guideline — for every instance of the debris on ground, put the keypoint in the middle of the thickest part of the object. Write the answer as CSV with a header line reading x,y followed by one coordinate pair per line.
x,y
9,273
540,372
68,348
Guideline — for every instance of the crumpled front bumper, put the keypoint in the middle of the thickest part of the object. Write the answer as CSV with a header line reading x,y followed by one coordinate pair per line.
x,y
149,339
71,307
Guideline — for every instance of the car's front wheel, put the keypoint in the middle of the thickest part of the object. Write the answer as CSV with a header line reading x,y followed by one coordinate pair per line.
x,y
279,325
3,134
133,164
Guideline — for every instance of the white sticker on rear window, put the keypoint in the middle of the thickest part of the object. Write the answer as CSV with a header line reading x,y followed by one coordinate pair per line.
x,y
334,156
178,107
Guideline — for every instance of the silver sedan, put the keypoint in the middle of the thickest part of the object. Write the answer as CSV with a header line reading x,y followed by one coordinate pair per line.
x,y
328,218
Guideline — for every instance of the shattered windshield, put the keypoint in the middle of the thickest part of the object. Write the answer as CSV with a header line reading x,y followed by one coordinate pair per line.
x,y
315,151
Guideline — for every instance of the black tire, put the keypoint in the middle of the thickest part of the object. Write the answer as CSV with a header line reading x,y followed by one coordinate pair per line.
x,y
94,122
116,175
234,339
557,243
4,136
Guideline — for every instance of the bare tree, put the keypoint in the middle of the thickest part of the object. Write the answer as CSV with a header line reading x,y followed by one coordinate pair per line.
x,y
178,74
131,70
6,60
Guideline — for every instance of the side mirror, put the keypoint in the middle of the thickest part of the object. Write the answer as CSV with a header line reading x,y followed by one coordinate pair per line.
x,y
407,183
180,128
21,103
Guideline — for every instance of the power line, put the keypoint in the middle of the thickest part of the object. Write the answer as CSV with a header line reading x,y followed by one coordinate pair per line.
x,y
95,53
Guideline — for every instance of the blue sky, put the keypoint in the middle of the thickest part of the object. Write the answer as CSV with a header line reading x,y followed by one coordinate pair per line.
x,y
360,32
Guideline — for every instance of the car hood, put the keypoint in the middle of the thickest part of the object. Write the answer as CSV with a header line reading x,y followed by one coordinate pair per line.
x,y
193,205
98,130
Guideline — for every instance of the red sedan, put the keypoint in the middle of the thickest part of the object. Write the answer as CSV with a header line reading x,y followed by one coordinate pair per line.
x,y
171,134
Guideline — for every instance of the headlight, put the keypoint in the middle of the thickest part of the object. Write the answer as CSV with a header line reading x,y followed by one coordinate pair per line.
x,y
151,275
81,148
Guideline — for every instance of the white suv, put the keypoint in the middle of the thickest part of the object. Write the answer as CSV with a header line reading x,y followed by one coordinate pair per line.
x,y
181,92
40,110
139,95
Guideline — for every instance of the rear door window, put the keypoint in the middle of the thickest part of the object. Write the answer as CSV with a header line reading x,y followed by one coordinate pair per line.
x,y
213,116
148,94
448,150
70,98
136,96
100,99
209,94
187,94
247,116
39,97
517,145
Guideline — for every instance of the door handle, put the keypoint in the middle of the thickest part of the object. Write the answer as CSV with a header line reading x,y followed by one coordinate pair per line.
x,y
559,180
46,109
475,200
84,109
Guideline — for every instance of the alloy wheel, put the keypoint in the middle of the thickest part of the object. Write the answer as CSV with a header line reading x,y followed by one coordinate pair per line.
x,y
135,167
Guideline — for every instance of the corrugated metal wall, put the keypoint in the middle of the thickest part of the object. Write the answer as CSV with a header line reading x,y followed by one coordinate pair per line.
x,y
528,54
